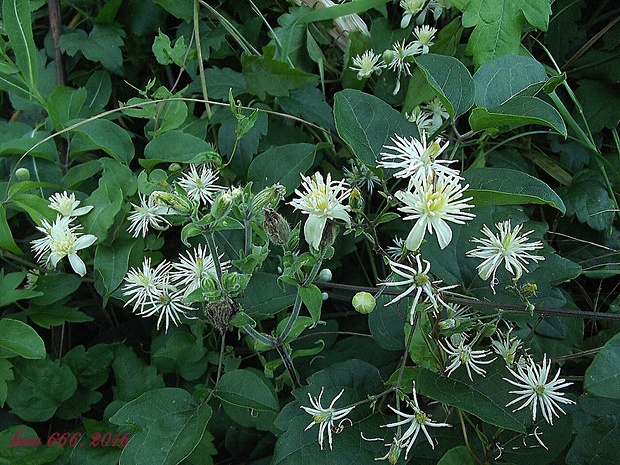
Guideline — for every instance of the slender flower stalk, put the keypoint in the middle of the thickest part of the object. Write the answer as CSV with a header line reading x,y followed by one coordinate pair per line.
x,y
416,160
432,205
510,246
537,391
322,201
464,354
326,417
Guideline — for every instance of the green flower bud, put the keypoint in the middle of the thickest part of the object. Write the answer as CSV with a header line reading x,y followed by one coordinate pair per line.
x,y
528,290
174,167
325,275
448,323
221,206
170,200
364,302
22,174
268,197
234,283
488,330
388,56
356,201
276,227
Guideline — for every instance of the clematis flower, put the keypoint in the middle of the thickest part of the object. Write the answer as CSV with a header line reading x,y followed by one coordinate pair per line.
x,y
322,201
66,205
200,186
464,354
325,417
432,205
366,64
149,214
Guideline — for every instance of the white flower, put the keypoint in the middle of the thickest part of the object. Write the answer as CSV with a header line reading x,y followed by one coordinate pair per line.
x,y
419,281
360,175
424,37
200,187
436,111
456,315
416,160
193,269
366,64
432,205
325,417
411,7
536,391
399,61
322,201
151,293
143,285
398,250
66,205
463,354
422,119
147,214
510,247
418,422
506,347
62,240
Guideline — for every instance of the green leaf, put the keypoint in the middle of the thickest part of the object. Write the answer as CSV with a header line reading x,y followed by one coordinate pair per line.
x,y
601,104
308,102
173,350
264,296
313,300
366,124
133,376
221,81
602,377
109,137
65,104
508,76
14,85
517,112
450,79
264,75
39,387
499,24
25,455
99,90
6,237
55,287
588,198
501,186
245,388
170,425
596,442
283,164
18,26
336,11
481,397
20,339
386,325
55,315
102,45
6,374
457,456
112,262
175,146
8,288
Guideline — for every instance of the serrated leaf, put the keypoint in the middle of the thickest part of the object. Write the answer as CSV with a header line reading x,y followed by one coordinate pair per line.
x,y
20,339
450,79
102,45
602,377
18,26
308,102
588,199
596,442
481,397
170,424
505,77
501,186
133,376
245,388
517,112
283,164
366,124
26,455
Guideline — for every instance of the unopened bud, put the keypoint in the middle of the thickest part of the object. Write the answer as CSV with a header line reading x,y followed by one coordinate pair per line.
x,y
448,323
324,296
268,197
22,174
364,302
276,227
488,330
325,275
170,200
356,201
174,167
388,56
528,290
234,283
222,205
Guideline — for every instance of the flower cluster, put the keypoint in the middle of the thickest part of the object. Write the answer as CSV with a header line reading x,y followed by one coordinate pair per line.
x,y
62,237
161,290
428,117
419,9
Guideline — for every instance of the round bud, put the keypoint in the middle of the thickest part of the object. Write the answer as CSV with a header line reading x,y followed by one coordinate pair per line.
x,y
174,167
356,202
324,296
389,55
325,275
22,174
364,302
222,205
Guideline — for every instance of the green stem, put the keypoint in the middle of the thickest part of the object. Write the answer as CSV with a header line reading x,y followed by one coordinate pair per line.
x,y
291,321
262,338
215,256
201,67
